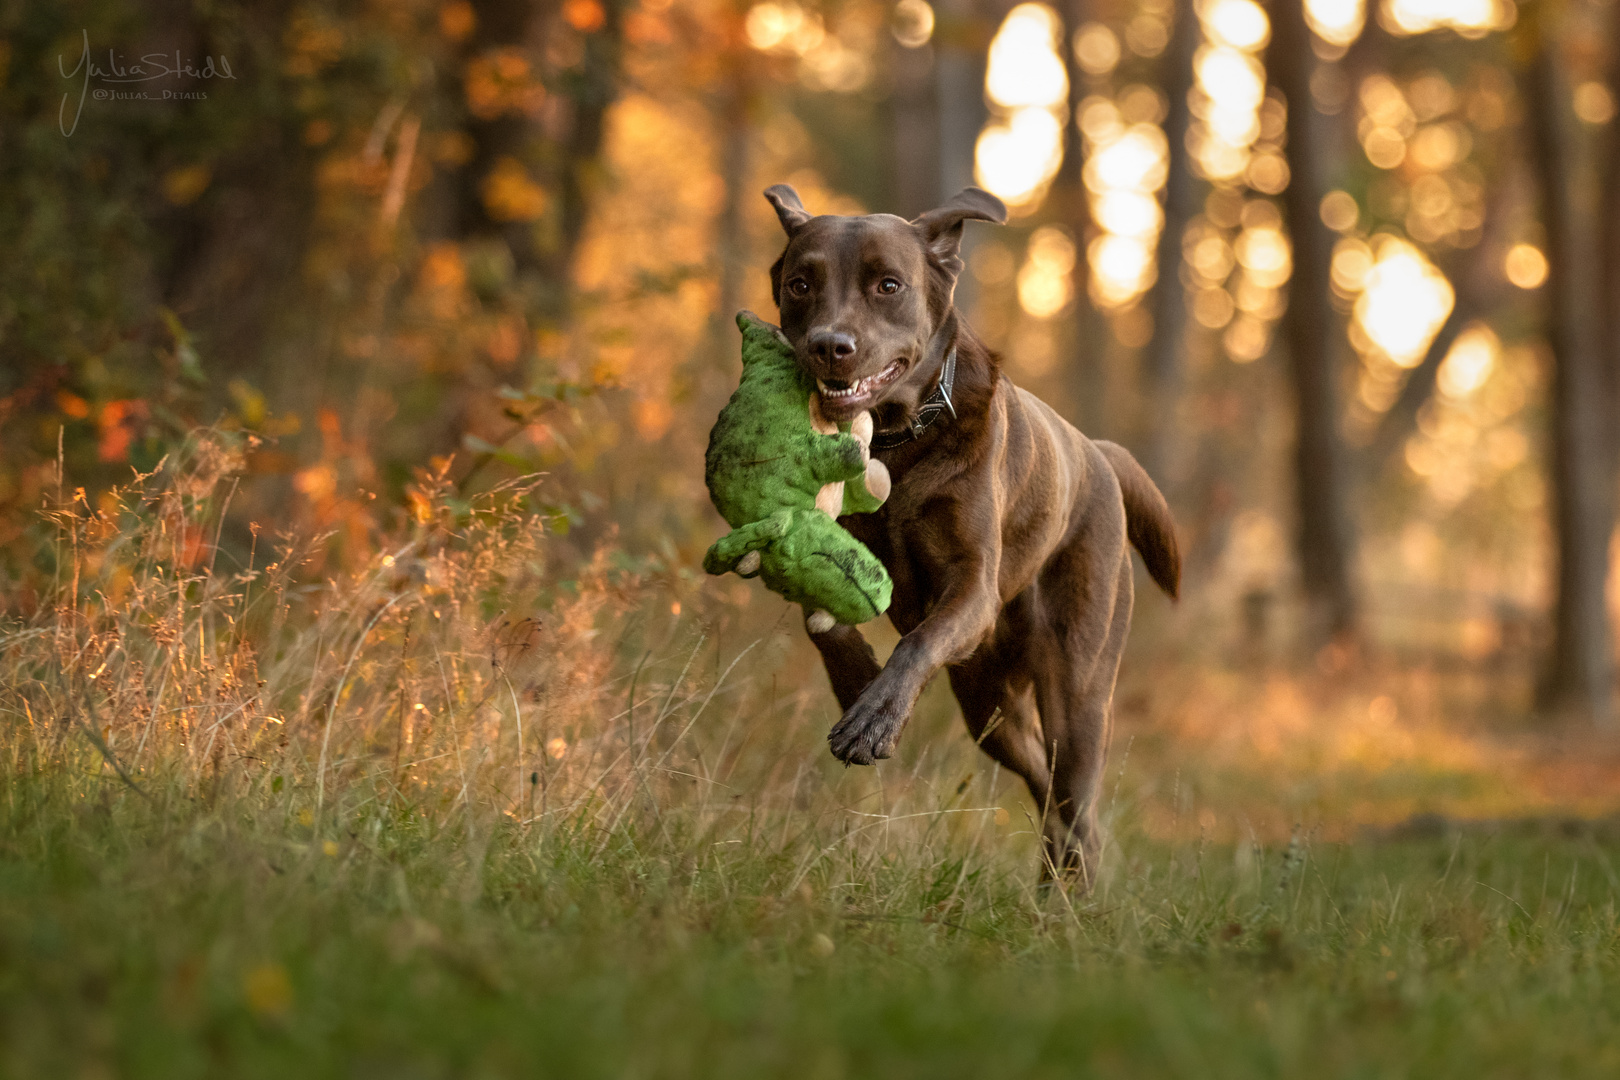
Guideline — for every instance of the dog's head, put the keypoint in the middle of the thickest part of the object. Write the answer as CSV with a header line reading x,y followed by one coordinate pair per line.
x,y
861,297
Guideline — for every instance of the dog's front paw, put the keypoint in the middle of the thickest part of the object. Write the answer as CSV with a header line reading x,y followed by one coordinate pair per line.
x,y
869,731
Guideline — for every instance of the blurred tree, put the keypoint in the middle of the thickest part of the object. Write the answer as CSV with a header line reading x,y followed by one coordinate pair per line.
x,y
1326,540
1165,357
371,190
1579,672
914,121
1088,330
524,119
959,59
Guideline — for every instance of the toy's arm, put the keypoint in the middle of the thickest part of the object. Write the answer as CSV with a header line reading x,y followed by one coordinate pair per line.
x,y
730,548
832,458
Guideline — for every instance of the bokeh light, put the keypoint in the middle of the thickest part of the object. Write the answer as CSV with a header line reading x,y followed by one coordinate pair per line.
x,y
1096,49
1241,24
1339,211
1148,34
1469,18
1352,259
1593,103
1126,165
913,23
1337,22
1024,68
825,61
1403,301
1045,283
1525,266
787,28
1121,269
1265,255
1228,90
1016,159
1019,152
1469,362
1386,123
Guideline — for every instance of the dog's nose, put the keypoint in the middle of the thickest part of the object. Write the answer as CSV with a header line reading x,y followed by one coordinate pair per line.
x,y
832,347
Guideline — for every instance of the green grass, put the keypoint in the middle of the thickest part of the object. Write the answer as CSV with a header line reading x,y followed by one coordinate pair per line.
x,y
177,940
461,812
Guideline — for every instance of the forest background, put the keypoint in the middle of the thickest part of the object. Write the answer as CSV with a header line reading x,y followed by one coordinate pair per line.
x,y
357,361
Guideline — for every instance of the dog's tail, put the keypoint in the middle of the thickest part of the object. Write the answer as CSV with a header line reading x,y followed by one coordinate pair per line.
x,y
1147,518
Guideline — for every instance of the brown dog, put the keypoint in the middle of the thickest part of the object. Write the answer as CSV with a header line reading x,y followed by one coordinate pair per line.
x,y
1005,530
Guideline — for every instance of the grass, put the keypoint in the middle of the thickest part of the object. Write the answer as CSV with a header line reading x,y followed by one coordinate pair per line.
x,y
468,809
177,940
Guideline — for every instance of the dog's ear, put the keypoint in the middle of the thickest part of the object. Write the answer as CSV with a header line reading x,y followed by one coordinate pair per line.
x,y
789,210
942,227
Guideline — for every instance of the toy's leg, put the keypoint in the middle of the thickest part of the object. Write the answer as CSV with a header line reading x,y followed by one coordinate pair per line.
x,y
862,428
833,572
878,481
866,494
745,542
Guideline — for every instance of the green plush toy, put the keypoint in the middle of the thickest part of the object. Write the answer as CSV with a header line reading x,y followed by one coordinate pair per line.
x,y
780,475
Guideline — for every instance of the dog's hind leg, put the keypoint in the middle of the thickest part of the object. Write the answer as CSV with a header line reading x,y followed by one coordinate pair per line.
x,y
1075,665
1001,718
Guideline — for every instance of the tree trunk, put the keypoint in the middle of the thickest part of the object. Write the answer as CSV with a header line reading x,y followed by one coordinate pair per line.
x,y
914,134
959,61
1325,538
1089,328
961,40
1579,673
595,89
1163,367
573,162
1609,166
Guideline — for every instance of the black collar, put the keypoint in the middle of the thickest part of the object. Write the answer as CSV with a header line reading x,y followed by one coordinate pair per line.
x,y
934,404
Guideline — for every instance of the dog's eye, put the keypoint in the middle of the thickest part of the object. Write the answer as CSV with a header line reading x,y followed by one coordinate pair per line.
x,y
799,287
889,286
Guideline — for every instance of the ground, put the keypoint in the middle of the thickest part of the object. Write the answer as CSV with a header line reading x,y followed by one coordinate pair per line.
x,y
861,924
394,826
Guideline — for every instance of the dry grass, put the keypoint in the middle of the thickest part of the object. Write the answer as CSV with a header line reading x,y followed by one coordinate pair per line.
x,y
459,675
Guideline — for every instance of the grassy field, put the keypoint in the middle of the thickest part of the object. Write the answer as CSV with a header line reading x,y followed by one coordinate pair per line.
x,y
178,940
462,812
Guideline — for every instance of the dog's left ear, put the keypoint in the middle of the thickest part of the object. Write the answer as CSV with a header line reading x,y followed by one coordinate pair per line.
x,y
942,227
789,210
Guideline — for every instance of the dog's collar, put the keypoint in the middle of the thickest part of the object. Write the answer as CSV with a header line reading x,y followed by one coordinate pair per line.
x,y
936,403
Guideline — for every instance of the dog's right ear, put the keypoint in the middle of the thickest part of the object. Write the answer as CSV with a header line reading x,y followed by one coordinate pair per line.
x,y
942,227
789,210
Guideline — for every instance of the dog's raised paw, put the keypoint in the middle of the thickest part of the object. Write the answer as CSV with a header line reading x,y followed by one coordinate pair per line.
x,y
865,735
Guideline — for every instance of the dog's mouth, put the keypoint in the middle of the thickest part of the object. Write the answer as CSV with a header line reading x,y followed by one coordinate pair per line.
x,y
844,400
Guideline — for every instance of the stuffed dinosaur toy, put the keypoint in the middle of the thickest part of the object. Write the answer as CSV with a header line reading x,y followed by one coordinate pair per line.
x,y
781,474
